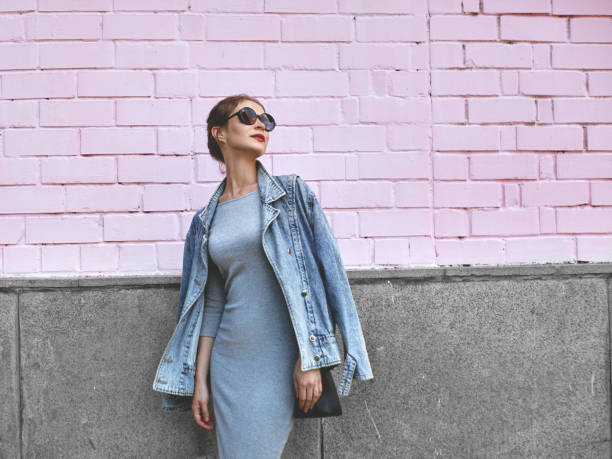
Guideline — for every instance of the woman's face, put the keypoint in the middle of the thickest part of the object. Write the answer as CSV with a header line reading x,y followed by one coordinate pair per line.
x,y
236,136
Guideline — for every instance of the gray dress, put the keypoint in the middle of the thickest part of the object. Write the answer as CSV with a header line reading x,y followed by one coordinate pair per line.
x,y
255,350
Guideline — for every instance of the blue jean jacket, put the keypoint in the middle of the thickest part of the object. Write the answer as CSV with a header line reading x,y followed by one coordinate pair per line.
x,y
303,253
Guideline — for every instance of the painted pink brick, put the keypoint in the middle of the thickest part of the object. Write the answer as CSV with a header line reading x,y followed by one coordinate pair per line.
x,y
564,193
163,197
229,27
391,251
75,5
58,258
164,169
355,252
312,166
512,195
599,137
465,138
553,83
502,222
448,110
172,112
169,256
547,167
536,28
382,6
545,111
584,220
37,142
583,165
594,248
446,55
582,110
109,83
473,252
36,85
549,138
288,6
445,6
516,6
591,30
391,28
117,140
109,198
82,54
77,170
140,26
451,223
394,110
471,6
408,137
450,27
501,110
12,27
600,83
63,26
356,194
63,229
540,250
306,112
300,56
349,138
392,165
541,56
21,259
548,220
31,199
464,82
137,257
449,167
18,113
582,56
601,193
12,230
316,28
412,194
256,82
458,194
174,141
21,171
155,54
510,82
198,198
422,251
96,257
413,222
151,5
503,166
56,113
140,227
18,56
588,7
376,55
173,83
221,55
345,224
498,55
191,27
312,83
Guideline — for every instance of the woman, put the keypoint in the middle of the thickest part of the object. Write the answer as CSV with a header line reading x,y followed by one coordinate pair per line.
x,y
275,287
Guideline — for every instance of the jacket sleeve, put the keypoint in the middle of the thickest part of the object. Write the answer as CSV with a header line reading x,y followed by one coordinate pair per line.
x,y
214,304
338,293
186,273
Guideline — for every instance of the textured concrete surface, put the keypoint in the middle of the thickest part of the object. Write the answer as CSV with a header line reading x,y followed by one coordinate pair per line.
x,y
468,363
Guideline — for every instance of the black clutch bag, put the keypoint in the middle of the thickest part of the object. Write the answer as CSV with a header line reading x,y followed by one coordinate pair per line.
x,y
328,403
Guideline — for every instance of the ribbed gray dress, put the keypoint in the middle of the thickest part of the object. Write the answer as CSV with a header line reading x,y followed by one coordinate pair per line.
x,y
255,350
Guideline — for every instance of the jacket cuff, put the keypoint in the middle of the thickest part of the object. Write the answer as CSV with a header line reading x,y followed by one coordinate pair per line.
x,y
347,376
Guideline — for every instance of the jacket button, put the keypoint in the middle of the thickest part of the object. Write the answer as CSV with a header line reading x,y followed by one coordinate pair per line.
x,y
304,293
317,357
312,337
288,250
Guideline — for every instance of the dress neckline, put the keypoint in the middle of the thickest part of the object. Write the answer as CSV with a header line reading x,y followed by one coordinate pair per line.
x,y
239,197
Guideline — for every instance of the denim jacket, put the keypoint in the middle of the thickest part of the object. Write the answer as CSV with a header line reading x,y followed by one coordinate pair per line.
x,y
303,253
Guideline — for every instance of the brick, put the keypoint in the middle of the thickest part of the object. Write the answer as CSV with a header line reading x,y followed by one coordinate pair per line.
x,y
584,165
21,259
239,6
451,223
564,193
191,27
451,27
228,27
540,250
312,56
38,85
112,198
12,230
63,229
18,171
600,83
12,27
175,84
164,198
75,5
464,82
510,82
18,56
99,257
80,54
584,220
376,55
117,140
140,26
151,5
553,83
26,142
381,6
60,258
389,165
515,6
394,110
470,252
391,251
457,138
412,194
174,141
219,55
446,55
152,55
11,6
169,256
596,248
503,166
584,7
445,6
291,140
599,137
512,195
448,109
501,110
154,169
498,55
549,138
391,28
170,112
537,28
601,193
137,257
63,26
56,113
466,194
582,110
450,167
78,170
409,222
111,83
15,113
31,199
591,30
504,222
140,227
582,56
317,28
306,111
257,83
349,138
352,194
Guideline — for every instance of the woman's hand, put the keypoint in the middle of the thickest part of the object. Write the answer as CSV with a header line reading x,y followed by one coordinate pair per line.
x,y
308,386
199,406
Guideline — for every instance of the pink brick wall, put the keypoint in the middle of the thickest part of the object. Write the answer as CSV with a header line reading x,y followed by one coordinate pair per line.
x,y
434,132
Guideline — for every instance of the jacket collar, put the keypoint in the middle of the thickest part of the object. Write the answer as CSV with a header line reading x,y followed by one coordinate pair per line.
x,y
269,191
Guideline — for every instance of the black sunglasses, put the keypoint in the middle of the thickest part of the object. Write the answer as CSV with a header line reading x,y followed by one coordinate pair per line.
x,y
248,116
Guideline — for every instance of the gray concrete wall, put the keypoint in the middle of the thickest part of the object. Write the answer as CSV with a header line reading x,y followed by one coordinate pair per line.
x,y
468,363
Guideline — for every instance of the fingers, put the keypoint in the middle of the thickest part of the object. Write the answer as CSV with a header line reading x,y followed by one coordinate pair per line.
x,y
201,415
309,393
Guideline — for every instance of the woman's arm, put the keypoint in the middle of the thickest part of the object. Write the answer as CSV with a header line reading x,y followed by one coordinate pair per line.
x,y
205,346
